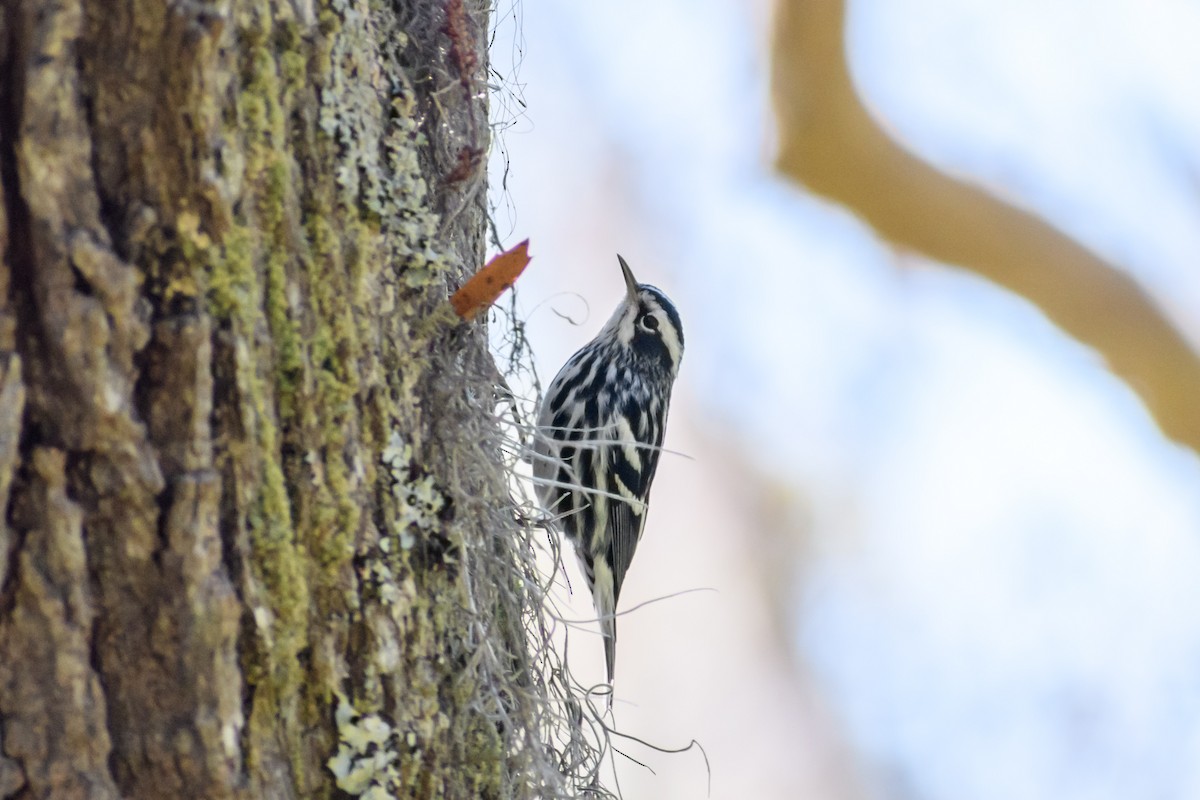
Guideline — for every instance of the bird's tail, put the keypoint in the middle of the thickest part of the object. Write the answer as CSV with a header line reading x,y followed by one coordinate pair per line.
x,y
605,598
606,610
608,627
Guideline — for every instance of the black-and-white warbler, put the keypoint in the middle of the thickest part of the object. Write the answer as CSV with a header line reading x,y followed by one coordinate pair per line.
x,y
600,431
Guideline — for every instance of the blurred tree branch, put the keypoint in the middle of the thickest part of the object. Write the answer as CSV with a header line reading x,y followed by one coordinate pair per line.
x,y
831,144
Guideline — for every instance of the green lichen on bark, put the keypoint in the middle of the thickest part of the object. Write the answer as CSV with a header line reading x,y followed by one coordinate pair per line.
x,y
332,249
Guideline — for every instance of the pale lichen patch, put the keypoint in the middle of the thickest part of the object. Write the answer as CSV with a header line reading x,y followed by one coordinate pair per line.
x,y
419,501
367,761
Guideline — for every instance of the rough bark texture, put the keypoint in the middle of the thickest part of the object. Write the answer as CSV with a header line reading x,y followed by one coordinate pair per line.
x,y
830,143
228,231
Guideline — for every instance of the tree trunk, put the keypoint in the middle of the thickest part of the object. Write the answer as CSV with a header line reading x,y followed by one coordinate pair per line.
x,y
254,500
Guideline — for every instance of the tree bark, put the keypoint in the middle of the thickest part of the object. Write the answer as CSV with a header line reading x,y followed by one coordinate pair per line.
x,y
248,458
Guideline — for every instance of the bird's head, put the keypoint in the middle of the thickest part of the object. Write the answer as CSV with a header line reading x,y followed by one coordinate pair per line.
x,y
647,323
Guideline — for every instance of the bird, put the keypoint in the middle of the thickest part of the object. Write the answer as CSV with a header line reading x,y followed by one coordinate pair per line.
x,y
599,434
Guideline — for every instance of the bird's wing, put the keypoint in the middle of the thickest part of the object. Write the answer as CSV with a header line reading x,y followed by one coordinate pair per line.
x,y
632,465
625,528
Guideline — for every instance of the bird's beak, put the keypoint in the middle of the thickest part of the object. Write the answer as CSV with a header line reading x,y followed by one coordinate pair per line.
x,y
631,284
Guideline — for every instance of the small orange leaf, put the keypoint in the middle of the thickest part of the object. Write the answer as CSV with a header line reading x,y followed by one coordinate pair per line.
x,y
485,286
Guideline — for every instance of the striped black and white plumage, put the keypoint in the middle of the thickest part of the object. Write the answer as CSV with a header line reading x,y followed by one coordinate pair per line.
x,y
600,430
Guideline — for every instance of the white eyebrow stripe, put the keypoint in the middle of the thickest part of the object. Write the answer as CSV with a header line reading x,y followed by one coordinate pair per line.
x,y
670,338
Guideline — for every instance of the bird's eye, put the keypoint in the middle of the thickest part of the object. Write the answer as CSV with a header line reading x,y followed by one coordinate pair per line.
x,y
650,322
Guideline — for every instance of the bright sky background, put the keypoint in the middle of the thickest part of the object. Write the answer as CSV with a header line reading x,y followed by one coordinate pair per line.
x,y
1002,599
